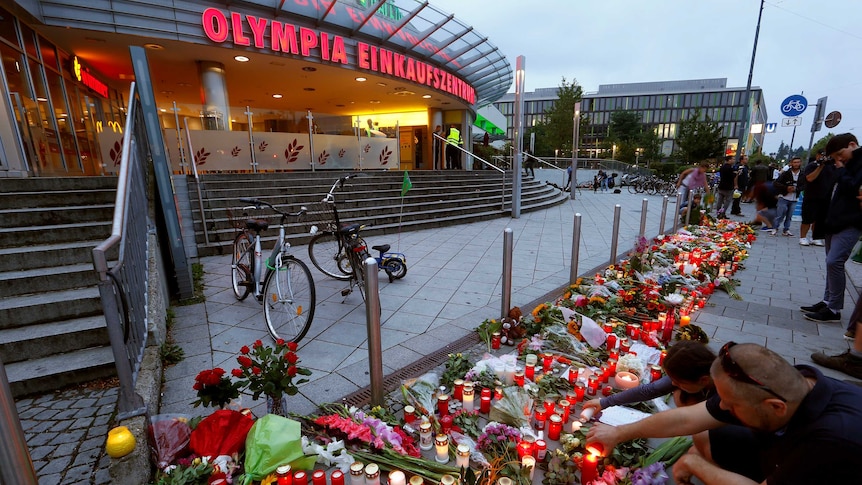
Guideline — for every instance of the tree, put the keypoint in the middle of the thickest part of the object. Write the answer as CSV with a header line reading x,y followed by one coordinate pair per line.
x,y
700,140
821,144
635,143
555,131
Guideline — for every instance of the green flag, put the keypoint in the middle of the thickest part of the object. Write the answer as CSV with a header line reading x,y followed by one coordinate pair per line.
x,y
406,185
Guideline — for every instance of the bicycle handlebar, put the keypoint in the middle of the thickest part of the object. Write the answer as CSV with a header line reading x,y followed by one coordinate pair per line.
x,y
259,203
330,196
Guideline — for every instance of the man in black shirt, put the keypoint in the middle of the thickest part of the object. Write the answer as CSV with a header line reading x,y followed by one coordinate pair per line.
x,y
742,182
819,177
726,185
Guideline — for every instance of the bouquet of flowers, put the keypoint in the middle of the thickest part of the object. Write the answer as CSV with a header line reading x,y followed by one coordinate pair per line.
x,y
214,388
270,371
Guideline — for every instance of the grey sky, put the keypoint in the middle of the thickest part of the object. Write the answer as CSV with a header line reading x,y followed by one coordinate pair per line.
x,y
808,46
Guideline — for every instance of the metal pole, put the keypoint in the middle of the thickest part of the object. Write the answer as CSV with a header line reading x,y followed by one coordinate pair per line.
x,y
663,215
311,138
508,244
676,214
179,139
519,138
372,319
616,234
746,115
251,149
398,145
688,207
197,181
576,248
15,463
644,205
575,136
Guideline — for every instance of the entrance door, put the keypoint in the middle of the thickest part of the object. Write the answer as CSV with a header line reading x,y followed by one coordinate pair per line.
x,y
33,161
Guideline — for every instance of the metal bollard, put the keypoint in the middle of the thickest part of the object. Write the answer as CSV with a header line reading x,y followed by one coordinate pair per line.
x,y
576,248
644,205
508,244
15,463
616,234
663,215
688,210
372,319
676,214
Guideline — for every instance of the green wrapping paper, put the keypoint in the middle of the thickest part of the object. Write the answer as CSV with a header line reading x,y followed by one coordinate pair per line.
x,y
274,441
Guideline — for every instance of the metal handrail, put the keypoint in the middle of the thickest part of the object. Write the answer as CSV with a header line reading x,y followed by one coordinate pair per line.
x,y
123,288
487,164
198,181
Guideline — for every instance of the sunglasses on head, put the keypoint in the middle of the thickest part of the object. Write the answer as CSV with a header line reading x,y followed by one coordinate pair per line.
x,y
733,369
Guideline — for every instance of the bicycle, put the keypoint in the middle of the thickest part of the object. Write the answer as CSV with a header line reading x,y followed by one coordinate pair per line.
x,y
282,283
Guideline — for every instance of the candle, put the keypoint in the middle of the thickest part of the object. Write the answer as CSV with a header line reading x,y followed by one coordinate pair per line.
x,y
283,475
524,448
587,414
626,380
519,378
336,478
531,359
318,477
409,414
608,327
357,472
496,338
576,426
448,480
425,440
612,365
443,404
636,331
416,480
555,427
509,374
547,360
579,391
655,372
589,468
441,443
396,477
612,340
625,345
505,481
529,463
667,331
530,371
540,449
539,418
565,407
485,404
457,388
593,385
604,373
661,357
446,422
498,393
607,391
467,396
462,459
614,354
301,478
372,474
549,404
684,320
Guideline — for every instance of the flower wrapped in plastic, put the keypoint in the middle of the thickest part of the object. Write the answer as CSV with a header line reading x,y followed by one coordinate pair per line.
x,y
420,391
169,438
274,441
514,408
221,433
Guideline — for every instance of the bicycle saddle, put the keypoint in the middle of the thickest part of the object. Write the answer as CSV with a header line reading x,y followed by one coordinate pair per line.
x,y
257,225
382,248
349,228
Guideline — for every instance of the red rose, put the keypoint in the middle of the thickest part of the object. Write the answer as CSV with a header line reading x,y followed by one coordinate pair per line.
x,y
256,370
236,373
291,357
218,371
198,386
245,349
244,361
292,346
291,371
279,342
257,344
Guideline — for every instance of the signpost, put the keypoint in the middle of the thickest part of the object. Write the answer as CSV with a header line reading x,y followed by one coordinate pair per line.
x,y
797,121
832,119
794,105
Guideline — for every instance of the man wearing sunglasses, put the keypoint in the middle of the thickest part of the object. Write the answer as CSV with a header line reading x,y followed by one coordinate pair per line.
x,y
770,422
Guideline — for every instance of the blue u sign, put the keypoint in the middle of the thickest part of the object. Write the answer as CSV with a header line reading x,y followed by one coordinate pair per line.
x,y
794,105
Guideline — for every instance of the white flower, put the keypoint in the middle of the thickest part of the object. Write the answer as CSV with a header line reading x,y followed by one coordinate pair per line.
x,y
674,299
631,363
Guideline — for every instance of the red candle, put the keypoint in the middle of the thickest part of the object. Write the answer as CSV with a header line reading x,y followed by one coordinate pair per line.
x,y
607,391
608,327
443,404
667,331
612,365
524,448
589,468
519,378
636,332
539,418
336,478
485,404
318,477
496,339
555,427
446,423
530,371
457,389
284,475
486,392
625,345
592,385
655,372
409,414
606,373
300,478
563,409
612,340
549,404
579,391
540,449
614,354
547,360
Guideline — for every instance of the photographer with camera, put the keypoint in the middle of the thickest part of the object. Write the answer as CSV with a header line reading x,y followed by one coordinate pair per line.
x,y
819,177
789,184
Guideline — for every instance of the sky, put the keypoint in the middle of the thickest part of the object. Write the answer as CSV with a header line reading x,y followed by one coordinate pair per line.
x,y
808,47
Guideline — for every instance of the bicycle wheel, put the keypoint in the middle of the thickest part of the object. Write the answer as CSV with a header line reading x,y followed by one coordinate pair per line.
x,y
240,266
289,300
359,271
327,255
395,269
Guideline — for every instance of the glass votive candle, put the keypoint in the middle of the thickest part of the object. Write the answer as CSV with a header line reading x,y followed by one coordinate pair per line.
x,y
572,399
555,427
426,441
607,391
655,372
409,414
592,385
462,459
446,422
614,354
608,327
318,477
357,472
372,474
300,478
442,404
604,373
547,360
612,365
612,340
519,378
636,332
539,418
580,389
540,450
336,477
485,404
283,475
441,444
524,448
529,463
576,426
467,396
457,389
531,359
549,404
661,357
625,345
496,339
397,477
565,406
530,371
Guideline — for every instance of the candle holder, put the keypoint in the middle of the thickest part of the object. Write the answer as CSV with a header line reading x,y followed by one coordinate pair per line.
x,y
397,477
442,404
301,478
626,380
467,396
426,441
463,456
519,378
283,475
409,414
655,372
485,404
457,389
318,477
612,340
539,418
555,427
529,463
336,477
563,409
530,371
547,360
592,385
357,472
496,339
612,365
524,448
372,474
625,345
540,450
441,443
580,389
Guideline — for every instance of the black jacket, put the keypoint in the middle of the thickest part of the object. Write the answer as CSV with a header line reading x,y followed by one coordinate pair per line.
x,y
786,180
844,209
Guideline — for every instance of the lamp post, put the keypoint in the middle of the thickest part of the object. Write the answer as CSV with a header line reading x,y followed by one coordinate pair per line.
x,y
746,115
575,136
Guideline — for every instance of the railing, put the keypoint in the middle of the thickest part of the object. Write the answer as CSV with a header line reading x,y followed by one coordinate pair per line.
x,y
123,287
485,162
198,182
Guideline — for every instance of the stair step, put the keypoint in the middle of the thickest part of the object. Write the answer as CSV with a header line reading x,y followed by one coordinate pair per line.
x,y
46,255
41,340
46,307
44,216
38,280
54,233
57,371
27,200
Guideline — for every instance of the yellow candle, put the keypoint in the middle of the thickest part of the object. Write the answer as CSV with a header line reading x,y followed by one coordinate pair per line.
x,y
684,320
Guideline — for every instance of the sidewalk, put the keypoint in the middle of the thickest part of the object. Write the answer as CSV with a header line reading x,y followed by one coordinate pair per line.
x,y
453,283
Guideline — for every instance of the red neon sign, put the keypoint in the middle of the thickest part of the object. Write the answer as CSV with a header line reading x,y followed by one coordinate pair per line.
x,y
82,74
290,39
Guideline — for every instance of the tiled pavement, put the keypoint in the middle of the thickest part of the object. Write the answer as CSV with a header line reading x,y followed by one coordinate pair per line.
x,y
453,283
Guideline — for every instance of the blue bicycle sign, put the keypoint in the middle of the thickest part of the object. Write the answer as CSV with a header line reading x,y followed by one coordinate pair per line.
x,y
794,105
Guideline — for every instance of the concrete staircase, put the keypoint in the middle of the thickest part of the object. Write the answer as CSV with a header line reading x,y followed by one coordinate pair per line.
x,y
438,198
52,331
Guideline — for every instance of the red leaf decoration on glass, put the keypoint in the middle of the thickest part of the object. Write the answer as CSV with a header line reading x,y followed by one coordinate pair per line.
x,y
323,158
384,155
201,156
235,151
262,146
367,148
292,151
117,153
341,153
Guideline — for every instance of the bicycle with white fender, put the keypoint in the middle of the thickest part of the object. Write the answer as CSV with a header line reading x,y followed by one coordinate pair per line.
x,y
282,283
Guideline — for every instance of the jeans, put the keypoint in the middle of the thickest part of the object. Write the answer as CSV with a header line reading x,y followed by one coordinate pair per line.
x,y
784,212
838,248
723,201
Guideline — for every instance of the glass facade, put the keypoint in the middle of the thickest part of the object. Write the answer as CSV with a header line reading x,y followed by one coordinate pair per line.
x,y
662,108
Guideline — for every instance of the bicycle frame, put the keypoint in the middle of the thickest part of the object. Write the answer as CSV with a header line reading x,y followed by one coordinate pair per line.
x,y
261,268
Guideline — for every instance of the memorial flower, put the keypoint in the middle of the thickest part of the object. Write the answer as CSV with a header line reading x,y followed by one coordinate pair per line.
x,y
270,371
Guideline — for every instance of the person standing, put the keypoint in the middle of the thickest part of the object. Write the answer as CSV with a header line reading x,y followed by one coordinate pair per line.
x,y
790,183
759,174
453,143
819,178
529,164
726,186
843,226
741,182
692,179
